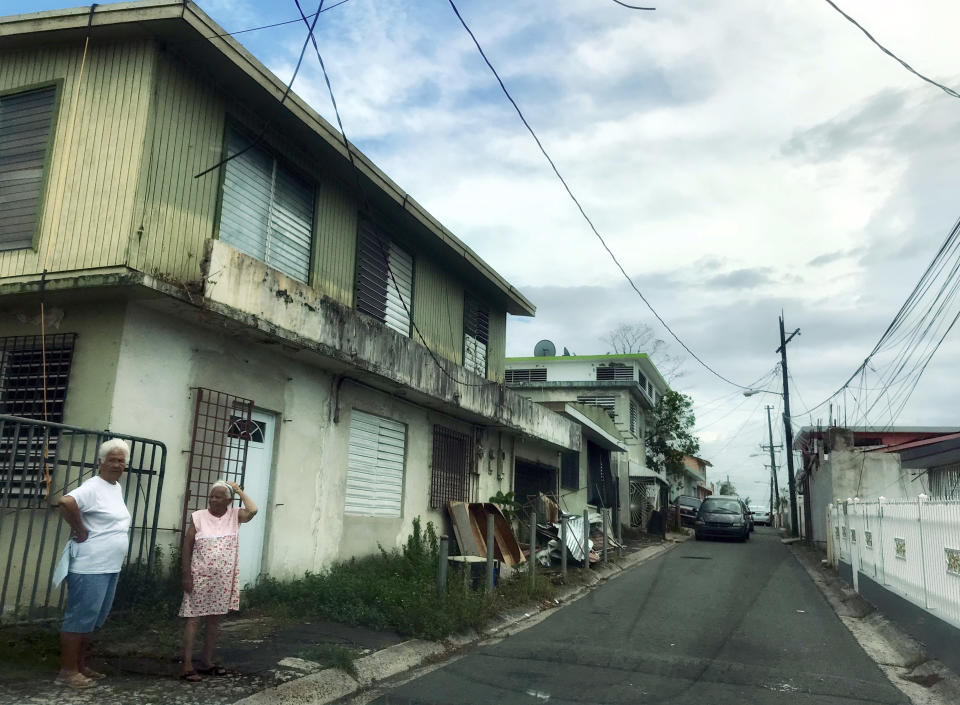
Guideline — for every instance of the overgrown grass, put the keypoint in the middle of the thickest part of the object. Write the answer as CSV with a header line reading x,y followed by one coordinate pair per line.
x,y
395,590
331,655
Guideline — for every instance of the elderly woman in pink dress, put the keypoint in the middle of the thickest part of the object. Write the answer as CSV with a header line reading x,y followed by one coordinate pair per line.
x,y
211,578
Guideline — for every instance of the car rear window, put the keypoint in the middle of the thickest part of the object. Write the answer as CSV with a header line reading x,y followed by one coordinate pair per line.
x,y
688,502
712,505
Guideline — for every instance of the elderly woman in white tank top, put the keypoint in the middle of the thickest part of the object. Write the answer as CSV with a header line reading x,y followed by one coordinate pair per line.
x,y
100,528
211,578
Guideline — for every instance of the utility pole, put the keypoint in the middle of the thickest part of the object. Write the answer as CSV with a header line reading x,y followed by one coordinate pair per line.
x,y
774,487
787,428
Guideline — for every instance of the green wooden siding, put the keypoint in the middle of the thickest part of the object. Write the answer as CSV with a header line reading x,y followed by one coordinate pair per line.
x,y
121,186
174,214
496,349
91,177
438,309
335,242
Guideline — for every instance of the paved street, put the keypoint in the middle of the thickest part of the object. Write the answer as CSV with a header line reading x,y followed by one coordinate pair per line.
x,y
708,623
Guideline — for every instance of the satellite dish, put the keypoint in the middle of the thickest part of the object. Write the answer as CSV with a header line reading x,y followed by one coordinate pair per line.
x,y
544,349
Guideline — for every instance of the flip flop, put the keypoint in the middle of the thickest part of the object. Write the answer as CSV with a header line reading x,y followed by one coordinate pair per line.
x,y
190,677
93,675
213,670
77,681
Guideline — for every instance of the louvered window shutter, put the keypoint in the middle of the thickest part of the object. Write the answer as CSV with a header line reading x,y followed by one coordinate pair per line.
x,y
25,120
384,279
476,335
374,466
267,209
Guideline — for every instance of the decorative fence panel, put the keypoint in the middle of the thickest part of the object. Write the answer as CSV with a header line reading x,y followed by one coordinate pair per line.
x,y
911,547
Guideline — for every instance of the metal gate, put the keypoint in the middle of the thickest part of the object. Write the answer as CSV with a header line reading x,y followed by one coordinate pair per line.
x,y
39,462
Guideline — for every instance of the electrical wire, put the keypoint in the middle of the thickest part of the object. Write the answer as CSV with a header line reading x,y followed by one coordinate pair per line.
x,y
346,144
633,7
260,27
940,263
580,208
908,67
256,140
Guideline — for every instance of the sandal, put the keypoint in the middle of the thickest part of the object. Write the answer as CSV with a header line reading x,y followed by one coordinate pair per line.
x,y
93,675
190,677
75,680
213,670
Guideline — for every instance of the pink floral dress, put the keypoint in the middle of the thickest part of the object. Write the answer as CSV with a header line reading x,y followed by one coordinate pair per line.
x,y
215,565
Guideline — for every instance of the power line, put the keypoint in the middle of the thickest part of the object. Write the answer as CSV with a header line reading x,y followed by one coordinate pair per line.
x,y
363,194
922,326
633,7
949,91
256,140
576,202
260,27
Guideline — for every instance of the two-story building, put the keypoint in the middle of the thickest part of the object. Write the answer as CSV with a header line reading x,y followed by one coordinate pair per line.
x,y
215,271
694,480
625,388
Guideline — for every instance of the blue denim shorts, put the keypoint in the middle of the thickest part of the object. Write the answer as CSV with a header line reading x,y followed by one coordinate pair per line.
x,y
89,599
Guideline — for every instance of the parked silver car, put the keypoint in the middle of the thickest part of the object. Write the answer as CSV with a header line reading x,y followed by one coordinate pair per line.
x,y
761,515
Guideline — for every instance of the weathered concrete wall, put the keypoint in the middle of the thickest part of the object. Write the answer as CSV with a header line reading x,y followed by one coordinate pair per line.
x,y
287,309
163,357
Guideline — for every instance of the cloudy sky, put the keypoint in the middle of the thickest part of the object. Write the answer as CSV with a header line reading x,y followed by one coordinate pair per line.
x,y
739,158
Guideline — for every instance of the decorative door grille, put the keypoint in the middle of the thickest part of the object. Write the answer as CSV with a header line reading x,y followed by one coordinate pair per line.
x,y
454,470
222,428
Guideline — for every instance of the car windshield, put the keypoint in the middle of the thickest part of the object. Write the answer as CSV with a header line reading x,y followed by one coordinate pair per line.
x,y
760,510
721,506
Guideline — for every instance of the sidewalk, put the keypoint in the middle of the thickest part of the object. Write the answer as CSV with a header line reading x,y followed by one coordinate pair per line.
x,y
270,662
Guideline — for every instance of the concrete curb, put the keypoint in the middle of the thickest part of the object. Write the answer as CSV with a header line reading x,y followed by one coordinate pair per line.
x,y
332,683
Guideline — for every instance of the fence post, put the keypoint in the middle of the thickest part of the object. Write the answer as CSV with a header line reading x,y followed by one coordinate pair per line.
x,y
923,567
563,545
533,550
442,566
619,538
489,552
603,514
883,561
586,538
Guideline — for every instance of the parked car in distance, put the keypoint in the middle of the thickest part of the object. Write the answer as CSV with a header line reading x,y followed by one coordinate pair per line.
x,y
761,515
688,509
722,517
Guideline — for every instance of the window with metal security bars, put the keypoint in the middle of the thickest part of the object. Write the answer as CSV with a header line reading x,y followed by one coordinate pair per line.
x,y
538,374
570,471
644,382
615,372
453,468
25,123
945,482
476,335
375,461
608,403
34,375
384,279
267,208
222,428
634,418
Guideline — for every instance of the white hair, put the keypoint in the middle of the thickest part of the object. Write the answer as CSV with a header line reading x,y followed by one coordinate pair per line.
x,y
223,483
114,444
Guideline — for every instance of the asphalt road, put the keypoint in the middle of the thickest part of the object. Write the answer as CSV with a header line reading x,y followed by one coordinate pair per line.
x,y
707,623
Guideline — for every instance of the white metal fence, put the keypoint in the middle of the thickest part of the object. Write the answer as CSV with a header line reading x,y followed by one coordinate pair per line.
x,y
911,548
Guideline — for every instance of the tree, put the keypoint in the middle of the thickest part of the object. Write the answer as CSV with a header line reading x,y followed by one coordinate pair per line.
x,y
630,338
726,487
669,435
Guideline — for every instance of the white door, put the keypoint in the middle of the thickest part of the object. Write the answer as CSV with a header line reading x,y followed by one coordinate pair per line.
x,y
256,483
